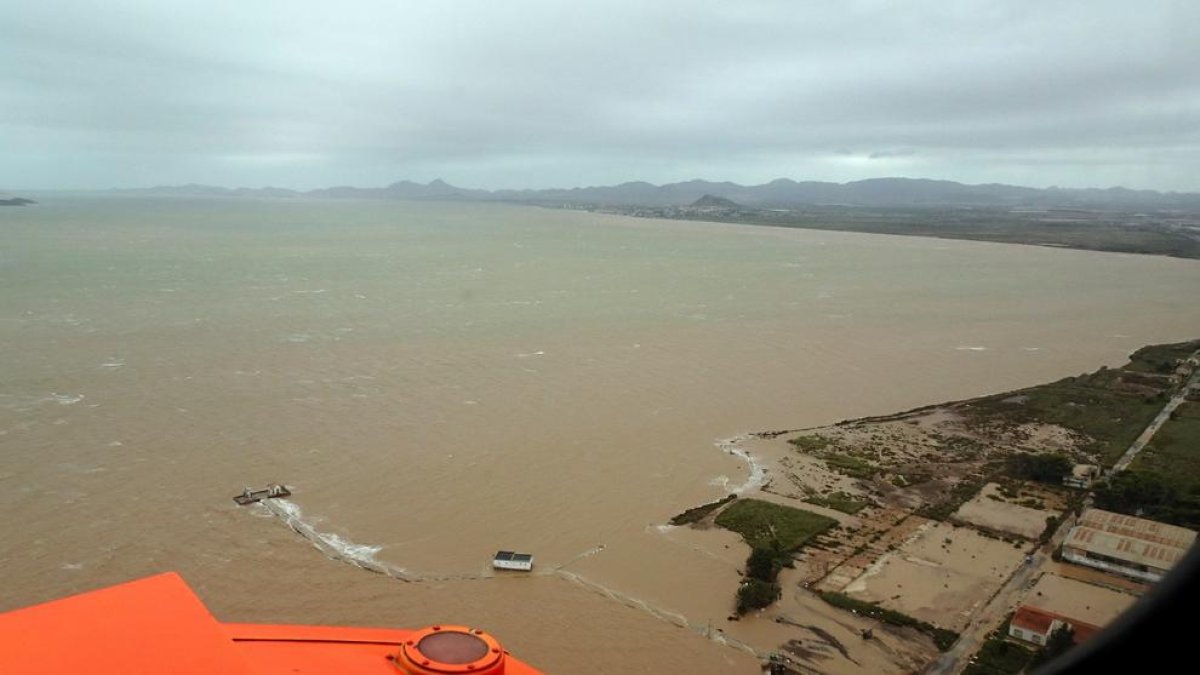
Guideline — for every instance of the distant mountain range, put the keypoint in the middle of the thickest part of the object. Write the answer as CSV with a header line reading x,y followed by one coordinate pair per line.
x,y
780,193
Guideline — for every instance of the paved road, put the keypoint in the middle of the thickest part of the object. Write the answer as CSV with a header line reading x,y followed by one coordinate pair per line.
x,y
987,618
1159,420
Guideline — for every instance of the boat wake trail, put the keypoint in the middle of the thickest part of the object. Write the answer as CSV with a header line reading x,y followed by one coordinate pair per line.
x,y
630,601
333,546
674,618
363,556
586,554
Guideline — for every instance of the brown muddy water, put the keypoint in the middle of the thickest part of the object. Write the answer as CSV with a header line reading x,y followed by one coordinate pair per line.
x,y
439,381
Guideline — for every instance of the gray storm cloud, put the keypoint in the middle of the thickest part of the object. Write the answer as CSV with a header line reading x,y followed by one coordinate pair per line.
x,y
538,94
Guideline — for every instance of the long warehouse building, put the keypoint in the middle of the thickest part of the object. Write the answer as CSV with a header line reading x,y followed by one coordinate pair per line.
x,y
1134,547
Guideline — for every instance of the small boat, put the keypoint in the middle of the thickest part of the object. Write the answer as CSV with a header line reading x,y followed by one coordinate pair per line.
x,y
507,560
272,491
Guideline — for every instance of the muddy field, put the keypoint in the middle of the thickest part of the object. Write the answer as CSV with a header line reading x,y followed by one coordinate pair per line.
x,y
936,528
940,574
936,508
1083,601
989,509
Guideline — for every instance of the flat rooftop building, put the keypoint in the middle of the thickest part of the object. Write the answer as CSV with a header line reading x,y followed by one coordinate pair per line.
x,y
508,560
1082,476
1134,547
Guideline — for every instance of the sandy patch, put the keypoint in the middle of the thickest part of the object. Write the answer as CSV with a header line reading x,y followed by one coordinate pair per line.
x,y
940,574
1078,600
820,637
1096,577
883,530
911,460
987,511
1049,438
804,476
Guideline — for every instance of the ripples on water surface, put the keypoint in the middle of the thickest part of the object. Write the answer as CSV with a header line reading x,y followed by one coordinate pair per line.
x,y
441,381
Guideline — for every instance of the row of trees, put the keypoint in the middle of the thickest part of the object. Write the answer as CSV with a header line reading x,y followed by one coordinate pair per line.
x,y
1041,468
1150,495
998,656
760,588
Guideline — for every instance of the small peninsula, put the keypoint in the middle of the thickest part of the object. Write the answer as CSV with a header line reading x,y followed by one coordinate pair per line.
x,y
15,201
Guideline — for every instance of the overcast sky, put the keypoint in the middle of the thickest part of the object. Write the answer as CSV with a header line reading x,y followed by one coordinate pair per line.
x,y
307,93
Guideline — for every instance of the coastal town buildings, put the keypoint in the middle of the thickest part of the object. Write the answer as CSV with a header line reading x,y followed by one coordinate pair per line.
x,y
1134,547
1081,476
1034,625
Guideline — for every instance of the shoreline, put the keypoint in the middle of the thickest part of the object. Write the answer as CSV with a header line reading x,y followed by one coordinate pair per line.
x,y
757,473
1097,231
940,534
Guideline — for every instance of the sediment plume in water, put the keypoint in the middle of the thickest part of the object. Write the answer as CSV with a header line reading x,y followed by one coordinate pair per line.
x,y
363,556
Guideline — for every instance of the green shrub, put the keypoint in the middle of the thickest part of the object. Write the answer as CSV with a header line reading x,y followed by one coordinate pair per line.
x,y
773,532
850,466
698,513
764,563
1042,468
839,501
756,594
999,657
811,443
1150,495
767,525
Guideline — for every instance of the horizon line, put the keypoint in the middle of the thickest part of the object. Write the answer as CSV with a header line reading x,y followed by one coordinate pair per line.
x,y
194,184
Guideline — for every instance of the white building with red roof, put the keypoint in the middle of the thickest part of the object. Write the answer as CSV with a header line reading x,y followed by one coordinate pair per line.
x,y
1034,625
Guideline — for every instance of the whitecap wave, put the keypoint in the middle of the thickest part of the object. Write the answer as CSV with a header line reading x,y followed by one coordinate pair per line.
x,y
332,545
757,477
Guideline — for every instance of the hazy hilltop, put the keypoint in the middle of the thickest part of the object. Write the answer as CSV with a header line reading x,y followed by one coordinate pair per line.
x,y
780,193
915,192
711,202
8,200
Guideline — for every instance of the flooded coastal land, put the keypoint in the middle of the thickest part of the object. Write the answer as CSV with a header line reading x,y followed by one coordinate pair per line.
x,y
955,527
